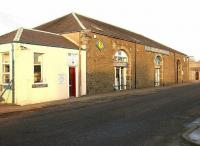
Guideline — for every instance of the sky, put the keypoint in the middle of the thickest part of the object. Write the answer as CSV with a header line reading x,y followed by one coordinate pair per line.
x,y
175,23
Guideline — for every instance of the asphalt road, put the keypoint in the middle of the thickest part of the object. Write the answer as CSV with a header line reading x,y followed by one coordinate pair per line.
x,y
154,119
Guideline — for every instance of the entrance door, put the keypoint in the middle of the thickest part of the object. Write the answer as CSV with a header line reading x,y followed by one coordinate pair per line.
x,y
120,78
197,75
72,82
179,72
157,77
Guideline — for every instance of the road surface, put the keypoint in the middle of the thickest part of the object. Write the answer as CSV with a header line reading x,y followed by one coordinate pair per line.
x,y
154,119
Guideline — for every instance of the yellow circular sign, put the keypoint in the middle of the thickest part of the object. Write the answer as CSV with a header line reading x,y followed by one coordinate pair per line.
x,y
100,45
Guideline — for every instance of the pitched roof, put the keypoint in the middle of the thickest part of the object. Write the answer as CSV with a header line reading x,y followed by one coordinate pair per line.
x,y
37,37
7,38
63,24
69,23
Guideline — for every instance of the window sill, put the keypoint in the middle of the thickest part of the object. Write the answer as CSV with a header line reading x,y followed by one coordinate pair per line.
x,y
39,85
6,85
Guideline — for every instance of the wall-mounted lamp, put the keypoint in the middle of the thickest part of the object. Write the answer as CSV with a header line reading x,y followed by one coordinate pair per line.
x,y
23,47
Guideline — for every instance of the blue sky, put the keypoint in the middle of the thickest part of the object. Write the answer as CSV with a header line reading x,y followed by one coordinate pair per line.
x,y
174,23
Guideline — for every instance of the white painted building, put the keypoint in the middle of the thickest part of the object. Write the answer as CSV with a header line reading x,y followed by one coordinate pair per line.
x,y
47,67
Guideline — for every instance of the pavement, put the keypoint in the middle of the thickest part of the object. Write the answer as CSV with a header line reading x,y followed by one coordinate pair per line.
x,y
193,133
7,109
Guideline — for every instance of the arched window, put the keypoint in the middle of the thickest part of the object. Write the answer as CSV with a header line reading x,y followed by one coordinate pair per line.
x,y
120,56
158,60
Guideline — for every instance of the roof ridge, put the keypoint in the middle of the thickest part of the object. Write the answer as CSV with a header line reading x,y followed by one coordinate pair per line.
x,y
18,34
78,20
110,25
141,35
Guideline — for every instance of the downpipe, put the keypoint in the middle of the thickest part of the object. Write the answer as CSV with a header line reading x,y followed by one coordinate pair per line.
x,y
13,74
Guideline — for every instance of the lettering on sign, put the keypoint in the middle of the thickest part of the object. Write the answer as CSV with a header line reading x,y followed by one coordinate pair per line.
x,y
73,59
61,79
120,64
156,50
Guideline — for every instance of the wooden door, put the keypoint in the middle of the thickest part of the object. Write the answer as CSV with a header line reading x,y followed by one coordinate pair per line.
x,y
72,82
197,75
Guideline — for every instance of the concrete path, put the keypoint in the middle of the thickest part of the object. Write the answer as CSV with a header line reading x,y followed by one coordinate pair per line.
x,y
193,134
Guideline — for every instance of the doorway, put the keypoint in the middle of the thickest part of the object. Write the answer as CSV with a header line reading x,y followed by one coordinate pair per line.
x,y
197,75
157,76
158,70
72,82
120,78
179,71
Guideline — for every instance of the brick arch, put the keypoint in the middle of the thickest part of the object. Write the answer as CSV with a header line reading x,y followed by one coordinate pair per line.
x,y
128,54
156,56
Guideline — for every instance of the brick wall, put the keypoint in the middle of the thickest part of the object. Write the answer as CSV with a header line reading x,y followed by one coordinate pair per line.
x,y
100,69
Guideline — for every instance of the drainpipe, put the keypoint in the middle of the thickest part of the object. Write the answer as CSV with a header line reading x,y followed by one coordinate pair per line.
x,y
13,74
135,65
79,73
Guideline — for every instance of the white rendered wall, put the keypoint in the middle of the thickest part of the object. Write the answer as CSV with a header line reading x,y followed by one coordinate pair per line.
x,y
55,65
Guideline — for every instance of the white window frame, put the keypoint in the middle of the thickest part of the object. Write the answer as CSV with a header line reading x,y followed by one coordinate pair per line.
x,y
121,56
41,64
3,67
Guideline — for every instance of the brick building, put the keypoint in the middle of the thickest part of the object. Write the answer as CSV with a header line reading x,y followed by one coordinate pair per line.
x,y
194,70
109,58
148,62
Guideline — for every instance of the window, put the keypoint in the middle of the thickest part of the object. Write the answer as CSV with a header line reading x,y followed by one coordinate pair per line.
x,y
73,60
6,68
120,56
158,60
38,67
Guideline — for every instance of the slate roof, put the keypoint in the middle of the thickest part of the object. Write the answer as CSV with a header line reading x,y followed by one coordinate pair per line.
x,y
69,23
7,38
32,36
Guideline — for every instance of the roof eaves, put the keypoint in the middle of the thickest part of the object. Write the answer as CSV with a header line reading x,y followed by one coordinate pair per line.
x,y
129,40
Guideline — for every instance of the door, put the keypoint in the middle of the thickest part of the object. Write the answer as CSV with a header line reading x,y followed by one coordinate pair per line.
x,y
197,75
72,82
157,77
120,78
117,78
179,71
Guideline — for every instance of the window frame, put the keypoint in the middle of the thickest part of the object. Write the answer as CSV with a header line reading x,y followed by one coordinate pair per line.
x,y
3,64
41,68
121,56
